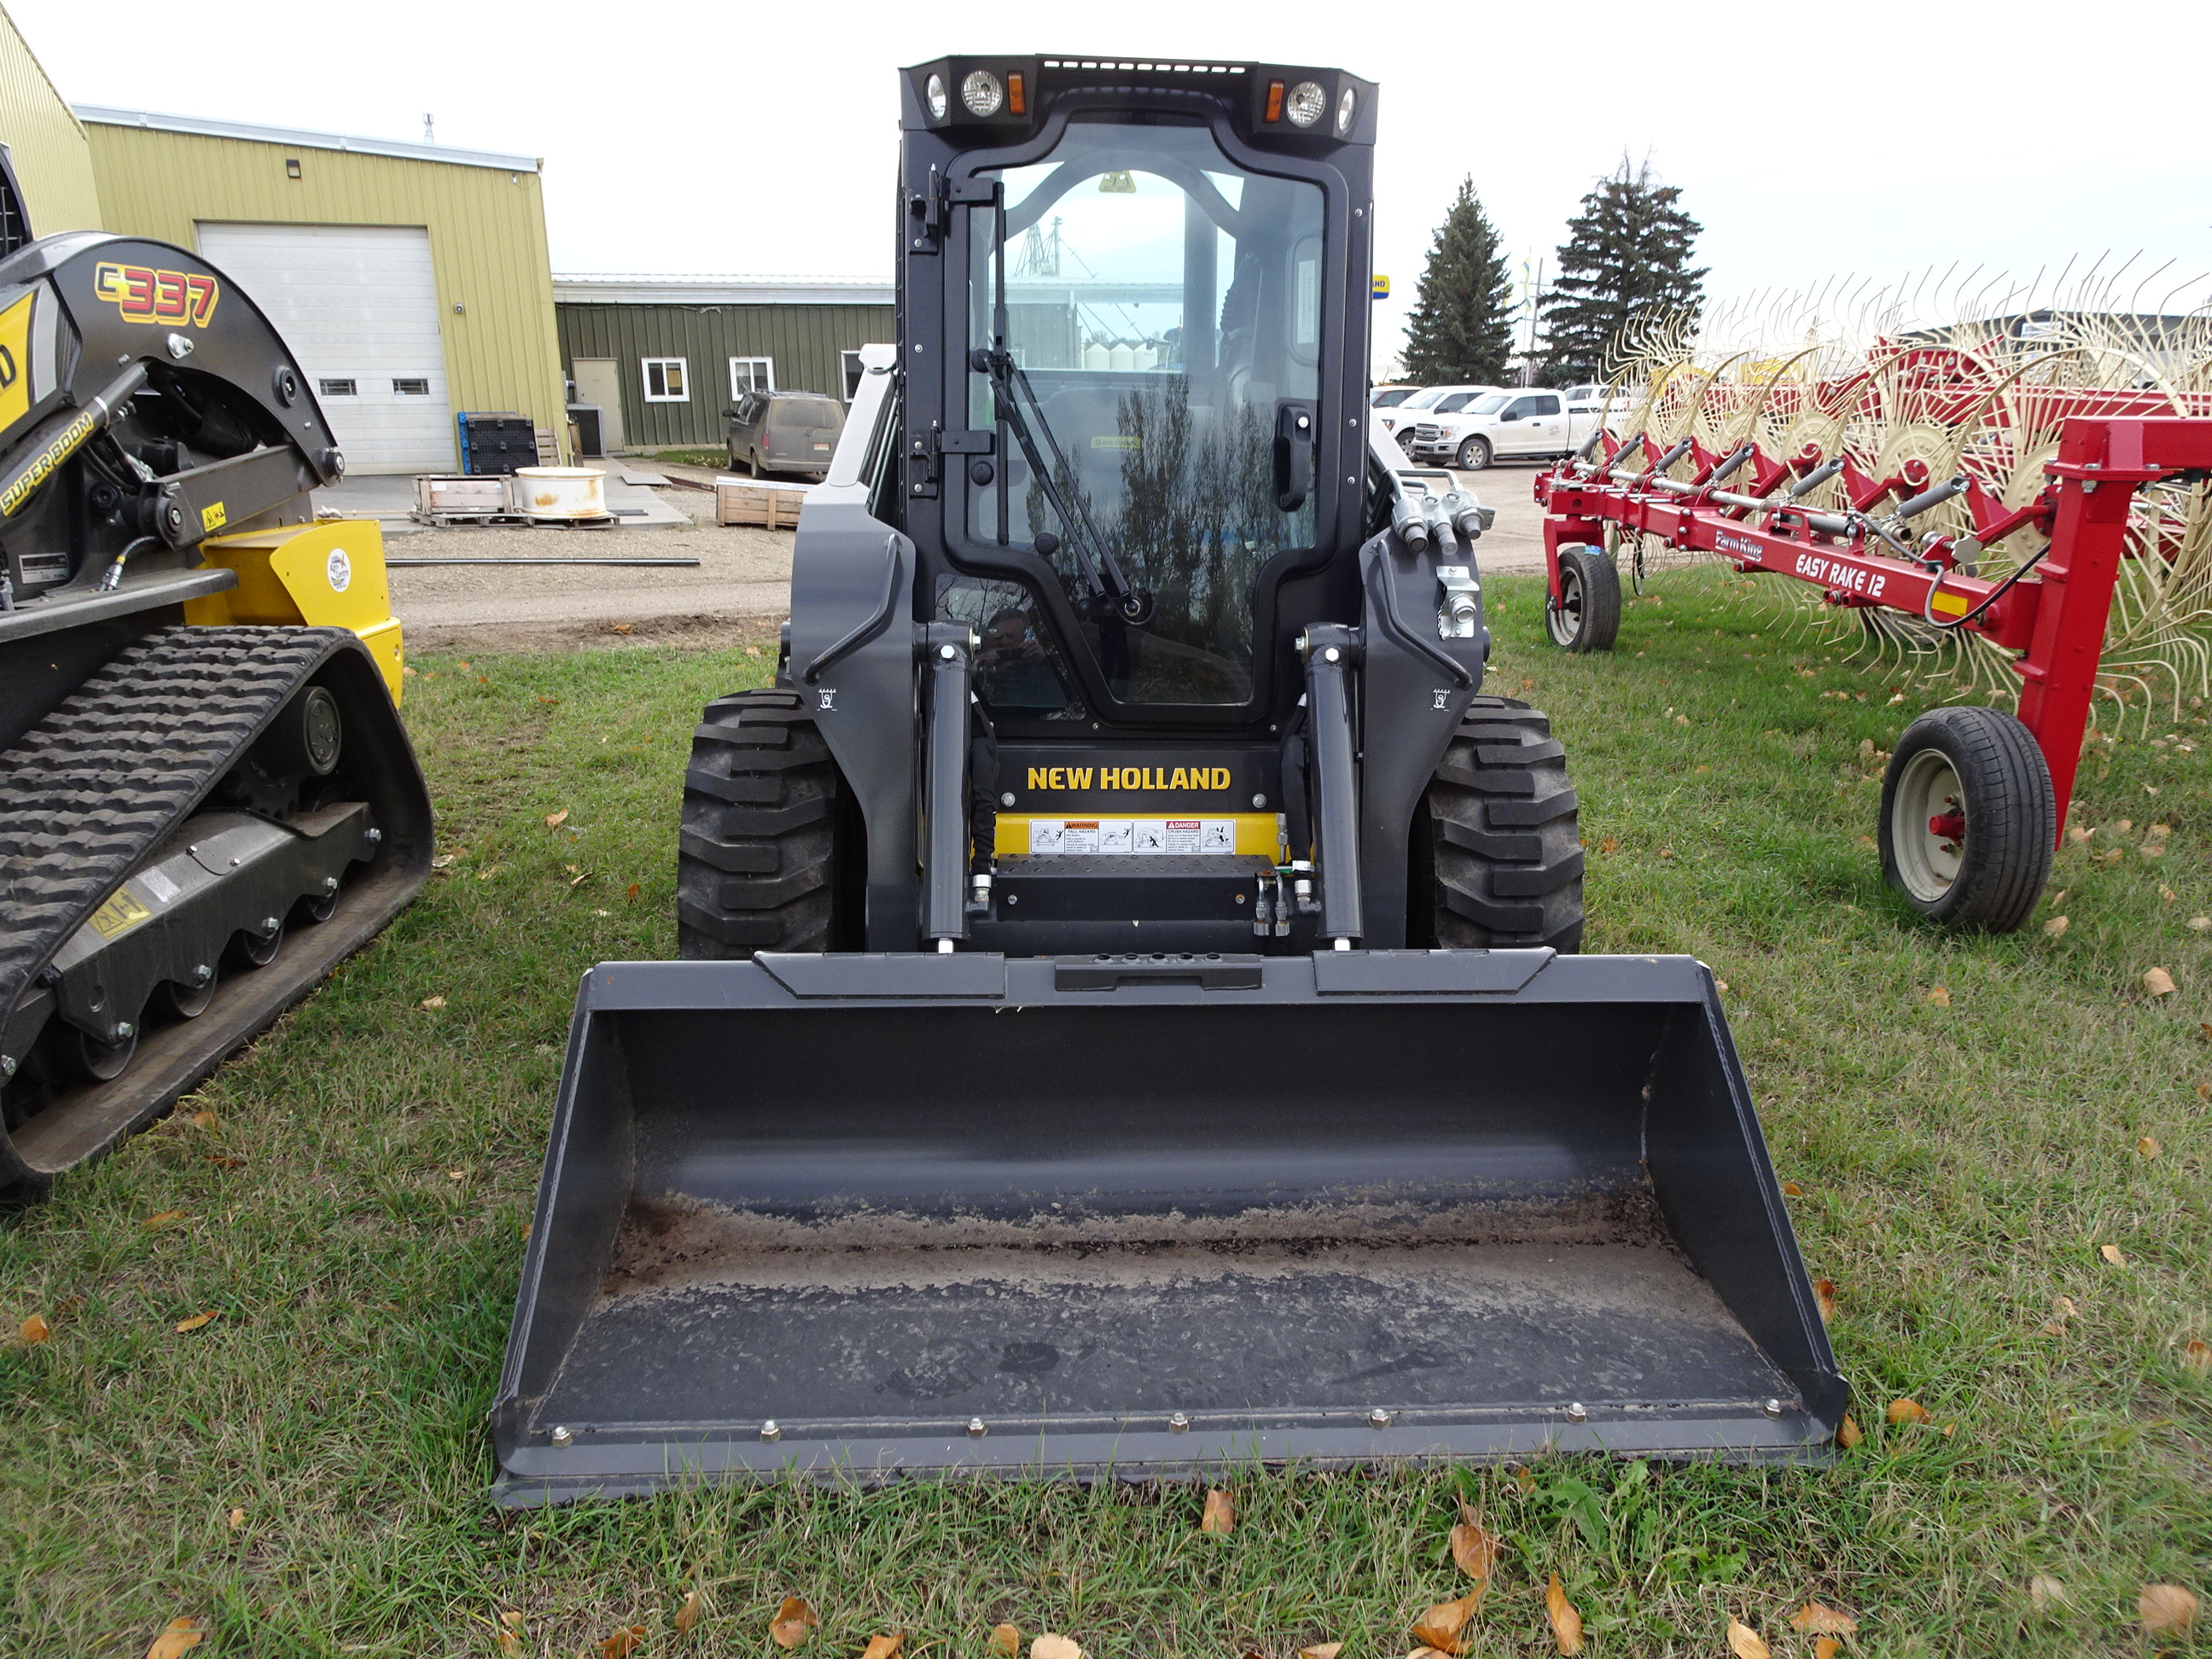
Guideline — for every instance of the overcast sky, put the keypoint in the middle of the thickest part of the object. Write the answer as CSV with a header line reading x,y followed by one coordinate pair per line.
x,y
1879,138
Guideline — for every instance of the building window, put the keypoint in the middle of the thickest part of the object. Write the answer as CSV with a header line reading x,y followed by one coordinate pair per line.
x,y
665,382
853,373
751,374
410,388
337,388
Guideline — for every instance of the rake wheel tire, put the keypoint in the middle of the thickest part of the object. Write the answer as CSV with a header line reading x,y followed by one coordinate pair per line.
x,y
1587,615
1496,848
769,858
1984,764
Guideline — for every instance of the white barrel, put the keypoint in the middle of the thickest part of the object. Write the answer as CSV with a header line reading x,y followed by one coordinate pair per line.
x,y
1147,356
1122,358
1095,355
560,492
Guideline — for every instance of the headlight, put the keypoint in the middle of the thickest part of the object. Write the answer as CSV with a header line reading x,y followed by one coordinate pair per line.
x,y
1346,105
982,93
935,93
1305,104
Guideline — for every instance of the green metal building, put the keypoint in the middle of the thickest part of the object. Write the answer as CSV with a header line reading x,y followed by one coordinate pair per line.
x,y
660,358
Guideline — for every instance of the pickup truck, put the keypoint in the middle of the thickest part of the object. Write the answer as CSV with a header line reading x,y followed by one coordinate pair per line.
x,y
1398,420
1534,423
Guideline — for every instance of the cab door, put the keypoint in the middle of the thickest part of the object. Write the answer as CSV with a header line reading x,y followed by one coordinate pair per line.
x,y
1532,424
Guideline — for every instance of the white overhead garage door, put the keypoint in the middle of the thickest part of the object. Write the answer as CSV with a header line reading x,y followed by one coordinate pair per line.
x,y
358,305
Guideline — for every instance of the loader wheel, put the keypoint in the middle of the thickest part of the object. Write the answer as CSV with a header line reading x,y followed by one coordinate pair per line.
x,y
1474,455
1968,820
770,856
1587,615
1497,853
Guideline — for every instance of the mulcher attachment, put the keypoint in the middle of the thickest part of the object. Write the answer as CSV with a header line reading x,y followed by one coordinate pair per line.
x,y
892,1214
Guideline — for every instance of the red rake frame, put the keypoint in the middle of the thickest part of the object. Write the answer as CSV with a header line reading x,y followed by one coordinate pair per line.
x,y
2053,615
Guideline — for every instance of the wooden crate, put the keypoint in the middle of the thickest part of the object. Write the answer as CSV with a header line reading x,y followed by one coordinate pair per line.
x,y
771,505
441,494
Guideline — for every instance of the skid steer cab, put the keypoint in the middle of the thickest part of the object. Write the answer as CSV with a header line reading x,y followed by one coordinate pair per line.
x,y
1128,742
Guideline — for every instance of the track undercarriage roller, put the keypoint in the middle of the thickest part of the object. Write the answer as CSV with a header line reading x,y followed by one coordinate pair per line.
x,y
1969,819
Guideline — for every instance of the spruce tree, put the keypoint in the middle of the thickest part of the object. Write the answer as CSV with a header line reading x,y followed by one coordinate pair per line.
x,y
1627,254
1460,330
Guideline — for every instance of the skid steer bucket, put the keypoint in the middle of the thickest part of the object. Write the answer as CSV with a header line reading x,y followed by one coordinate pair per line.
x,y
892,1214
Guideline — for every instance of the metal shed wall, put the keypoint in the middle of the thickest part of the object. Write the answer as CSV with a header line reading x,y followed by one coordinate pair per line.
x,y
43,137
487,228
804,340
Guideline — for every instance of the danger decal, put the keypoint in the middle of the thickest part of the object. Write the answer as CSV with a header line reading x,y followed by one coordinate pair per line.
x,y
172,299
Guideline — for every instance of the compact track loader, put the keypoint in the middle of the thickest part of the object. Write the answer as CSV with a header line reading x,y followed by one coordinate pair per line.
x,y
206,796
1130,1017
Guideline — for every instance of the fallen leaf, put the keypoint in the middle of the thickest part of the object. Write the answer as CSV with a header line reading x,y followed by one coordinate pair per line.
x,y
1525,1478
1848,1434
198,1320
2063,1307
160,1218
555,820
1824,1289
204,1121
1721,985
1321,1651
457,1175
2112,1253
625,628
1826,1647
579,880
1791,1189
2202,924
2045,1591
1220,1512
237,1518
1908,1411
2158,981
1048,1646
1005,1642
2196,1354
1940,996
1745,1643
1566,1623
227,1163
33,1330
792,1622
2148,1146
1474,1546
688,1614
885,1647
2077,835
434,1002
510,1645
632,891
1608,845
2056,925
179,1636
2167,1607
1439,1627
1816,1619
623,1642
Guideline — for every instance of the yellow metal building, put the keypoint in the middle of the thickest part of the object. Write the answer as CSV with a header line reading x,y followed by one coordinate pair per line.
x,y
410,280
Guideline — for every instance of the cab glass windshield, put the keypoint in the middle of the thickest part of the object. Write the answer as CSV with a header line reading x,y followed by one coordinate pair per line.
x,y
1144,324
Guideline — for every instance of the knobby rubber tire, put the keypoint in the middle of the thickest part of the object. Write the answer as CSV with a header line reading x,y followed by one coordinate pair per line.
x,y
1474,455
1598,578
1496,846
2012,818
768,856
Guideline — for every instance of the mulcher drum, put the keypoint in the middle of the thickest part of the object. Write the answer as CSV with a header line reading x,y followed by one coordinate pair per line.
x,y
892,1214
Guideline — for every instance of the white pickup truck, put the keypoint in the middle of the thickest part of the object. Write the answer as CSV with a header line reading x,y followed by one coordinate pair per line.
x,y
1535,423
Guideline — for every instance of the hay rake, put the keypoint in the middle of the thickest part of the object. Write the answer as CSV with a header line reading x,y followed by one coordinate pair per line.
x,y
1967,491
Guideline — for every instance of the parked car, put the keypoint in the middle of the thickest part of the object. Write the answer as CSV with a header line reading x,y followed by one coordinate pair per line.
x,y
1535,423
784,432
1389,396
1436,414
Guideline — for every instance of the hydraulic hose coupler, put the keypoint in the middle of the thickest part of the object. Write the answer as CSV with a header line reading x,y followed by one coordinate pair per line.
x,y
979,894
1263,905
1302,888
1468,516
1409,522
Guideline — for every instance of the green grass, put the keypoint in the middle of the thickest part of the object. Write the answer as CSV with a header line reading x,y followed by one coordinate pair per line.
x,y
354,1215
692,457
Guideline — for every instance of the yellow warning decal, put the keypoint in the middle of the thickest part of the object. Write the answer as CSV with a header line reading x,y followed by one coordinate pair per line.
x,y
119,915
16,360
1128,440
1950,604
212,518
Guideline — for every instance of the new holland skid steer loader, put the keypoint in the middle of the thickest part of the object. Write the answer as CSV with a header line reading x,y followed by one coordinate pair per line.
x,y
1129,1017
206,796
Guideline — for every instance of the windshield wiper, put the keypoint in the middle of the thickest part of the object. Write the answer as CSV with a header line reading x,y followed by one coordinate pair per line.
x,y
1010,387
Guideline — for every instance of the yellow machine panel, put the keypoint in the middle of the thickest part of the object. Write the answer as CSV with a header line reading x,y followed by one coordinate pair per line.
x,y
324,575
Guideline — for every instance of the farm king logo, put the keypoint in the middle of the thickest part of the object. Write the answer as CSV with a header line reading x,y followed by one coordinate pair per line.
x,y
174,299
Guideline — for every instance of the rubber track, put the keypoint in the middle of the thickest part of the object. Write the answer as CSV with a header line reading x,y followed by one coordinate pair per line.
x,y
1502,828
90,789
